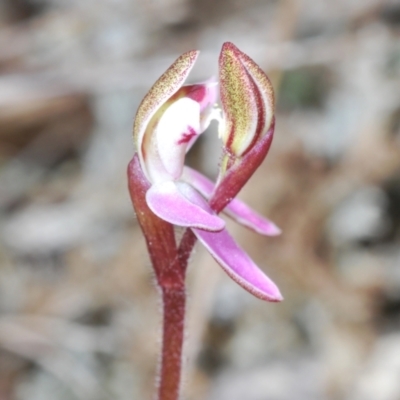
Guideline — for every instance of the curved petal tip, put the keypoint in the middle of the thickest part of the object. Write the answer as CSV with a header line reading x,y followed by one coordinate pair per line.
x,y
238,265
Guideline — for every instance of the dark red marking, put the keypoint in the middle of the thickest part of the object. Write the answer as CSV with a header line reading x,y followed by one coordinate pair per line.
x,y
187,136
197,93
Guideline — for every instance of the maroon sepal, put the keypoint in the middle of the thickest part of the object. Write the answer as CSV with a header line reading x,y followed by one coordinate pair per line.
x,y
236,176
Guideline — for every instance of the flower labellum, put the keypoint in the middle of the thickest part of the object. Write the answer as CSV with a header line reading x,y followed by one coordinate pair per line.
x,y
169,120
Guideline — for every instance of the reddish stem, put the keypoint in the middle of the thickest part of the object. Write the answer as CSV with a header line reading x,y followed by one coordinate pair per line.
x,y
173,335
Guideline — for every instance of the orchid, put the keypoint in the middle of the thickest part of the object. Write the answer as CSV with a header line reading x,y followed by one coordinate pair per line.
x,y
167,194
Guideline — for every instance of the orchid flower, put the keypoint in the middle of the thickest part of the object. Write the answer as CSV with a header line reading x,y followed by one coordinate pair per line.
x,y
166,193
170,118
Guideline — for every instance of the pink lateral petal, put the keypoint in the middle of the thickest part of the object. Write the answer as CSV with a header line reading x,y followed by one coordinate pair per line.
x,y
244,215
238,265
200,182
236,209
180,206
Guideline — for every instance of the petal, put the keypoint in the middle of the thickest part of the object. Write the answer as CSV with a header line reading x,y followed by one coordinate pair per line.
x,y
162,90
165,150
200,182
179,205
248,103
244,151
236,209
239,101
238,265
264,87
244,215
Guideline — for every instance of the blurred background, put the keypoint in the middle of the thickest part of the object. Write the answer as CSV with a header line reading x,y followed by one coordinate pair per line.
x,y
79,312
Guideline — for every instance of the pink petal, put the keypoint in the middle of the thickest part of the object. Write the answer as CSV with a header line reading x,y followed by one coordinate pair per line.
x,y
180,206
244,215
236,209
238,265
200,182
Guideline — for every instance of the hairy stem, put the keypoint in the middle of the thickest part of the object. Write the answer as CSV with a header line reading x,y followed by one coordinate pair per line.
x,y
172,343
